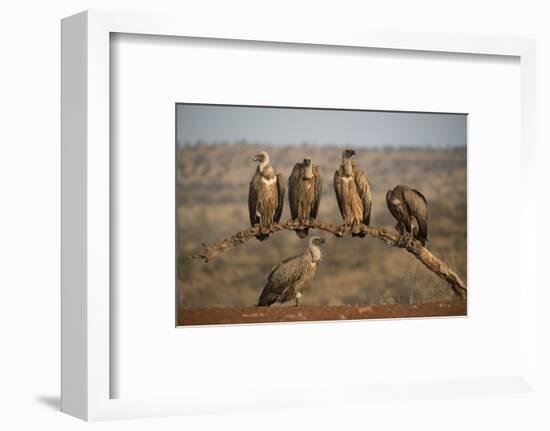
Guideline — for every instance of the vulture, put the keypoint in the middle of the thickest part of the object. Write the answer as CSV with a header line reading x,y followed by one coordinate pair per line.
x,y
410,208
265,195
304,193
287,280
352,192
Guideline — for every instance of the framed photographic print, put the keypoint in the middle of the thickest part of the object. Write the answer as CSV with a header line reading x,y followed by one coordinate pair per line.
x,y
235,199
342,172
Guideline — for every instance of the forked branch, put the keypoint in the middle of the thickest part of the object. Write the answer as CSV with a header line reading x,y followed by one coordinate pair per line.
x,y
433,263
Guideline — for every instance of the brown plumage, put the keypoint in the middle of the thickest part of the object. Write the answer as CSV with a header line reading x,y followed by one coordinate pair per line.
x,y
265,195
304,193
352,192
410,208
288,279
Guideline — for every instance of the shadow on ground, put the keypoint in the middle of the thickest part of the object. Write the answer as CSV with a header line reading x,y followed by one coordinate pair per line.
x,y
50,401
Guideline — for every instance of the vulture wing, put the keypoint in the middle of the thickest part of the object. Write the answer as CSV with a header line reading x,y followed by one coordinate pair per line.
x,y
281,197
253,190
280,279
419,209
363,188
338,190
293,190
318,184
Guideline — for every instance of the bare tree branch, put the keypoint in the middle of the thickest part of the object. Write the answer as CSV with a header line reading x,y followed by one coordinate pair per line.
x,y
434,264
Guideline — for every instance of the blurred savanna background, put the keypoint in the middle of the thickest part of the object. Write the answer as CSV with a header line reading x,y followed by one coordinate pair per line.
x,y
215,147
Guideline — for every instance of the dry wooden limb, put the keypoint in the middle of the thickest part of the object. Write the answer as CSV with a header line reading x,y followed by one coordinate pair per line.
x,y
433,263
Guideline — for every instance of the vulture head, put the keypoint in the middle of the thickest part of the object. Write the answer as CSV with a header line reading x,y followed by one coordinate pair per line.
x,y
395,202
316,241
263,157
348,154
308,169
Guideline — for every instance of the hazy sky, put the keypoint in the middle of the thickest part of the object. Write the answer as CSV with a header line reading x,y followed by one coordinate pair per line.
x,y
293,126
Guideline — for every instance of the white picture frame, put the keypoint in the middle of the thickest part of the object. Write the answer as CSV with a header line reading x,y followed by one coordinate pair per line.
x,y
86,311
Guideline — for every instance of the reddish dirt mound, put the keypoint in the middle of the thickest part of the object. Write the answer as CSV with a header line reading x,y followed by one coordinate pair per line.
x,y
213,316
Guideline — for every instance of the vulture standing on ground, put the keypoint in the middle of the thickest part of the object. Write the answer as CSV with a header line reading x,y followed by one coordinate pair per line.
x,y
304,193
410,209
352,192
265,196
287,280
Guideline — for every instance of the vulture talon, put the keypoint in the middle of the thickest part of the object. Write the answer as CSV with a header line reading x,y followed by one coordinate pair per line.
x,y
347,229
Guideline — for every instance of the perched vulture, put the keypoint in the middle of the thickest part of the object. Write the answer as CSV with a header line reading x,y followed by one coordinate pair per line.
x,y
410,209
352,192
265,195
304,193
287,280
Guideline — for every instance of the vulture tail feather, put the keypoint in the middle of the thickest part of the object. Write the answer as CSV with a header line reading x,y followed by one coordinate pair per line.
x,y
302,233
265,298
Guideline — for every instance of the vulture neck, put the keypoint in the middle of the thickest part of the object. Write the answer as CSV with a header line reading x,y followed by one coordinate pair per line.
x,y
315,253
348,167
308,172
263,165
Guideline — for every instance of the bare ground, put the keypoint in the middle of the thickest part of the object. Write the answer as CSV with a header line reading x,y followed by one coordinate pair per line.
x,y
214,316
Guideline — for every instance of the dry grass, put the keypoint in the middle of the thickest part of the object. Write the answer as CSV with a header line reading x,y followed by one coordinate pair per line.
x,y
212,203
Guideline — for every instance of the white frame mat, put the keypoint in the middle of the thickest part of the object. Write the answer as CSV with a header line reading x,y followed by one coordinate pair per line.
x,y
86,201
